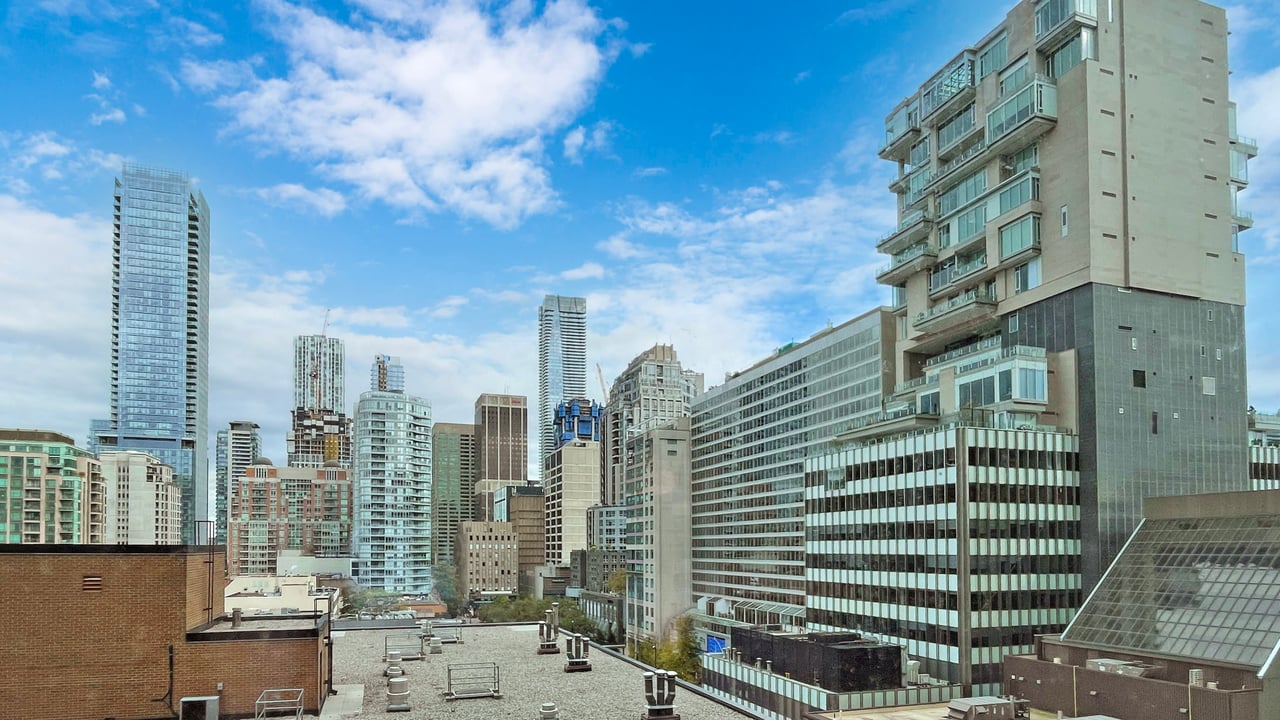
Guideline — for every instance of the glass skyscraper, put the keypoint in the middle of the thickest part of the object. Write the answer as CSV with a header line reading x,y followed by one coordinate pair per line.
x,y
562,361
160,330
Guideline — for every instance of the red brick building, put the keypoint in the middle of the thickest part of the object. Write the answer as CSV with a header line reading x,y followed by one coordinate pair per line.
x,y
128,631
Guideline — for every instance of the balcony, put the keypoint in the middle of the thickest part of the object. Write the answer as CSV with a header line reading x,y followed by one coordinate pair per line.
x,y
1059,20
969,313
1243,219
953,85
901,131
914,259
1025,116
888,422
1245,144
913,228
917,383
970,270
962,160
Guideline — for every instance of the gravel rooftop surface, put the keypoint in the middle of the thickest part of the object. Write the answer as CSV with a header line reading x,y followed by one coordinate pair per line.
x,y
613,690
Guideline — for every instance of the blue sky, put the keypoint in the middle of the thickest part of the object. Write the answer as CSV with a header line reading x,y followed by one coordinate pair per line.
x,y
704,173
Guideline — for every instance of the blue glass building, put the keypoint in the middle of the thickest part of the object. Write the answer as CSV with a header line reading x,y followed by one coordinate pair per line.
x,y
160,330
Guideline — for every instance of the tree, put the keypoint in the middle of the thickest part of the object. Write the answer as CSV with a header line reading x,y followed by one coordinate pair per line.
x,y
617,582
370,600
445,577
679,654
525,609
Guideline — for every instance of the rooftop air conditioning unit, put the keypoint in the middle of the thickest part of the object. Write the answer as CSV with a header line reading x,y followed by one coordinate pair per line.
x,y
198,708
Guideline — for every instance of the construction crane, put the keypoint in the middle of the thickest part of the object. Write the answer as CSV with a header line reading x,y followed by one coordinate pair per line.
x,y
604,390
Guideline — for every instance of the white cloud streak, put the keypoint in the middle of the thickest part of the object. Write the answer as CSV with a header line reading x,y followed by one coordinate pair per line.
x,y
423,105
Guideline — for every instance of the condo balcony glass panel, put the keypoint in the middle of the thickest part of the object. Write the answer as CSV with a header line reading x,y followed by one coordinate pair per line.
x,y
1038,99
919,153
1239,166
952,80
956,129
1019,235
975,296
902,125
1022,191
1052,13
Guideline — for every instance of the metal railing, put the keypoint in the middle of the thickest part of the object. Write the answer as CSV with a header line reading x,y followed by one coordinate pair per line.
x,y
975,295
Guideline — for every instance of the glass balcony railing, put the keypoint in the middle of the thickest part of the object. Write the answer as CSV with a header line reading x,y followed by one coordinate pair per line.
x,y
946,357
1038,98
1052,13
952,80
973,297
914,252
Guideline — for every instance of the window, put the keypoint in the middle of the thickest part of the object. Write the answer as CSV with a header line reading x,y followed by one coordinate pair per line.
x,y
956,127
1081,47
962,192
1015,77
1209,385
993,56
1021,161
1013,323
944,236
971,222
1024,190
1140,378
929,403
920,153
1026,276
1031,384
1018,236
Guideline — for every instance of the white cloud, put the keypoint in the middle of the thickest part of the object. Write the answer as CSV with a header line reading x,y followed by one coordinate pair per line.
x,y
100,80
585,271
448,307
189,32
114,115
802,76
778,137
323,200
573,142
620,247
215,74
645,172
598,139
423,105
872,11
47,156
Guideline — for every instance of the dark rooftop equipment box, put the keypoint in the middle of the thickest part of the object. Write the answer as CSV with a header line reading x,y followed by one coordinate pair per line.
x,y
840,662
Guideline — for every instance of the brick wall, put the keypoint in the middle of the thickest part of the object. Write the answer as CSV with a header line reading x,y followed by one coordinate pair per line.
x,y
246,668
69,652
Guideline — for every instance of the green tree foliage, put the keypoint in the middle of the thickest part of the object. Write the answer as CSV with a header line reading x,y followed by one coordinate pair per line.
x,y
525,609
679,654
369,600
617,582
445,576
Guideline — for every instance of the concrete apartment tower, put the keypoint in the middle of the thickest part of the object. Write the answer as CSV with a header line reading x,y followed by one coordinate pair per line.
x,y
393,492
659,532
321,429
237,447
144,504
1068,184
453,481
387,374
55,493
751,436
160,291
562,361
502,447
653,390
571,479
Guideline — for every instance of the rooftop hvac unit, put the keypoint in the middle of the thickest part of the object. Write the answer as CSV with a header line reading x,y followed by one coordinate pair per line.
x,y
198,708
913,671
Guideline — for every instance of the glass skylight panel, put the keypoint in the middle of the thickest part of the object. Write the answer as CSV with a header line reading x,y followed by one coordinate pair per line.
x,y
1200,589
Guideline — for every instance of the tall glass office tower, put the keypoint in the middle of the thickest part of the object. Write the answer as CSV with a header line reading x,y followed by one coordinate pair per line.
x,y
562,361
160,330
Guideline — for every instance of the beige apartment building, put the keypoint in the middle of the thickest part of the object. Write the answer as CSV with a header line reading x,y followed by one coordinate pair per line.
x,y
144,503
659,532
571,487
488,559
1066,251
276,509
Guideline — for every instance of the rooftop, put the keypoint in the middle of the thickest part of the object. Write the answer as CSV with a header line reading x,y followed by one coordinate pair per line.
x,y
613,690
913,712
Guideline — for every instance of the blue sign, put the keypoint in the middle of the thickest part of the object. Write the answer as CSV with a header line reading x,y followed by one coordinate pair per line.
x,y
715,644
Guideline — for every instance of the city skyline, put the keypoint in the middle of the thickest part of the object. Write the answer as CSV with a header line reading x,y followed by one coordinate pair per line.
x,y
741,231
